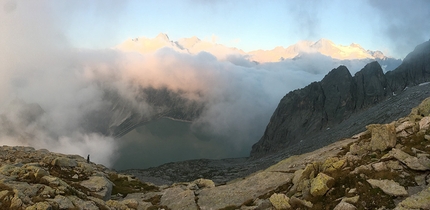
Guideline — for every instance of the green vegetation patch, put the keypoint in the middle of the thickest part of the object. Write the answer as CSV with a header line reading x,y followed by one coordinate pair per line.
x,y
123,186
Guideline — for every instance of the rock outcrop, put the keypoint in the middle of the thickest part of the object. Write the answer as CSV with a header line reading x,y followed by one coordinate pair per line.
x,y
323,105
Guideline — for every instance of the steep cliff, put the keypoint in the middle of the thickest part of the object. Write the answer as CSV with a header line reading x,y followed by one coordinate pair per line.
x,y
306,112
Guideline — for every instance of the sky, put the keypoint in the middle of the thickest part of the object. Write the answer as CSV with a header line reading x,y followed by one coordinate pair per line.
x,y
390,26
58,59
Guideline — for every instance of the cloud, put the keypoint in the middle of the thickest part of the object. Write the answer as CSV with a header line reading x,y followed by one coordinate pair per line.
x,y
307,15
404,23
53,95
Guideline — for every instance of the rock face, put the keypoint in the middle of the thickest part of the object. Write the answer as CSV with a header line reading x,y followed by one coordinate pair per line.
x,y
321,105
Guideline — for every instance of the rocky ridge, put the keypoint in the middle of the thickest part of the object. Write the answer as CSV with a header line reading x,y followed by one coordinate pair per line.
x,y
322,105
385,167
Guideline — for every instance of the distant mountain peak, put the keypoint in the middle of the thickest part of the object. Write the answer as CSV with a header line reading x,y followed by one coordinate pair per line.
x,y
163,36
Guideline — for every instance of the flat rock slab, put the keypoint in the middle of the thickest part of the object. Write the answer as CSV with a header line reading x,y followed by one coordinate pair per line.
x,y
242,190
176,198
320,155
412,162
420,200
389,187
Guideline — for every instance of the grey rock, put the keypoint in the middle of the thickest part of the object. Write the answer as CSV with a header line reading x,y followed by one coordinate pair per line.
x,y
383,136
390,187
380,166
204,183
99,185
62,202
239,191
299,202
410,161
40,206
64,162
176,198
87,205
420,200
344,206
425,123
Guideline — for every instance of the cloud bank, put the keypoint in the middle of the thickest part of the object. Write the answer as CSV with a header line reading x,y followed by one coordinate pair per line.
x,y
49,89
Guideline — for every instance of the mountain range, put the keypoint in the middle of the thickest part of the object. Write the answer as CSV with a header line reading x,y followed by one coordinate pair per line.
x,y
299,50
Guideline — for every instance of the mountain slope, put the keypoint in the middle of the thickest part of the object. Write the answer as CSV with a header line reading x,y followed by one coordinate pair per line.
x,y
366,171
321,105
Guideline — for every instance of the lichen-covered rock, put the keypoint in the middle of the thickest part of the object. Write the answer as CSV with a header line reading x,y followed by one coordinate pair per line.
x,y
383,136
332,164
321,184
130,203
423,109
390,187
40,206
280,201
204,183
420,200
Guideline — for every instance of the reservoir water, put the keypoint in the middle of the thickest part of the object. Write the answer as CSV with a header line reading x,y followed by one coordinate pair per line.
x,y
166,140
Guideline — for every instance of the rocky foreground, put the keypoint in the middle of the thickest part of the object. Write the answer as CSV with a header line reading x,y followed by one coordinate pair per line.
x,y
385,167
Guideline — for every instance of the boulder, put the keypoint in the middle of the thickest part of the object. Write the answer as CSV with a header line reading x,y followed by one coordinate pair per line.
x,y
176,198
40,206
423,109
87,205
204,183
62,202
114,204
321,184
380,166
99,185
410,161
389,187
280,201
64,162
383,136
420,200
404,125
344,206
332,164
424,123
351,200
130,203
299,202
